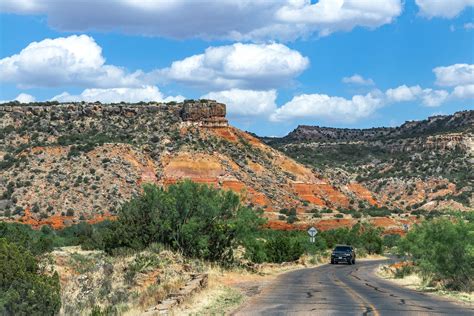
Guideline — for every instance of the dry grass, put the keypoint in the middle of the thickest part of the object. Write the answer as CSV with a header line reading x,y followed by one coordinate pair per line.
x,y
127,284
415,282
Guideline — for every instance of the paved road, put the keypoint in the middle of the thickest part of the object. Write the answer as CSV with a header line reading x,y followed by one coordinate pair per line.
x,y
345,290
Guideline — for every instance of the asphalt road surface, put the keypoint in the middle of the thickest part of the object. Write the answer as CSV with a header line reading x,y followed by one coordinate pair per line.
x,y
345,290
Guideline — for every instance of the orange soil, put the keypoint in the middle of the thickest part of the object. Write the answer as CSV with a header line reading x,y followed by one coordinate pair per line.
x,y
362,193
55,221
225,133
257,168
398,265
252,140
58,221
335,197
384,222
302,173
305,191
101,218
234,185
327,224
251,194
279,225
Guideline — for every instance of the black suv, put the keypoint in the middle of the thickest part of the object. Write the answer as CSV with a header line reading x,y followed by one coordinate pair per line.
x,y
343,253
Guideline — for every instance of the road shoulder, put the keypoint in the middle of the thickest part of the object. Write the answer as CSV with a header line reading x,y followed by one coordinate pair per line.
x,y
414,282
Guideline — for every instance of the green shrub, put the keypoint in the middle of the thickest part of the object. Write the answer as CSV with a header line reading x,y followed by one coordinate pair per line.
x,y
364,237
391,240
195,219
23,289
275,246
443,251
404,271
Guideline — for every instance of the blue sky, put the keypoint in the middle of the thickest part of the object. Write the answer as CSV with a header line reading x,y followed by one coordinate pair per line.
x,y
277,64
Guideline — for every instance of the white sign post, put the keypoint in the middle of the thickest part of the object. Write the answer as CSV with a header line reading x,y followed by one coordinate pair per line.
x,y
312,234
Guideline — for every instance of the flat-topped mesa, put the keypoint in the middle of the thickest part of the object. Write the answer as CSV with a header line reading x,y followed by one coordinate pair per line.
x,y
206,113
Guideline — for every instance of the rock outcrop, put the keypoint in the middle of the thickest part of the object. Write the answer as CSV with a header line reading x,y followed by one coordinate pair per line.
x,y
206,113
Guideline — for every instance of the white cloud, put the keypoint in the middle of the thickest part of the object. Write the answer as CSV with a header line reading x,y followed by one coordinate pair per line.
x,y
22,98
116,95
238,66
220,19
443,8
403,93
358,79
434,98
329,16
245,102
464,92
469,26
428,97
322,106
73,60
454,75
78,61
338,109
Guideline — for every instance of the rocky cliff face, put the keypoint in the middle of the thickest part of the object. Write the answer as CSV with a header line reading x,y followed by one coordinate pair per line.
x,y
189,111
206,113
63,163
403,165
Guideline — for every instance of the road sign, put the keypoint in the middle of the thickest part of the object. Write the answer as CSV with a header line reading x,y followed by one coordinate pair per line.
x,y
405,227
312,231
312,239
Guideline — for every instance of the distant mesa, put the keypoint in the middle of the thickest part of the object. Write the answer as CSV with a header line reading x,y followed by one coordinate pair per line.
x,y
204,113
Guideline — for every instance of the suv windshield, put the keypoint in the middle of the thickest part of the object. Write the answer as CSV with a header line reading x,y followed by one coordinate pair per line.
x,y
342,248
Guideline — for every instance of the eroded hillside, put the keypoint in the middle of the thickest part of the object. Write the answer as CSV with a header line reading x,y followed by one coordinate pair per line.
x,y
62,163
424,165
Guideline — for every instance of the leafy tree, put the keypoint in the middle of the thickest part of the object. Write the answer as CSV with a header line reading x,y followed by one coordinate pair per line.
x,y
195,219
23,289
443,251
362,236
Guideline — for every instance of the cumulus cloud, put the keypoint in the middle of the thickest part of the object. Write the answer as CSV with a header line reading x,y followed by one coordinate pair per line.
x,y
78,61
22,98
117,95
464,92
443,8
322,106
428,97
219,19
434,98
403,93
339,109
238,66
245,102
329,16
73,60
358,80
454,75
